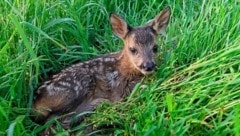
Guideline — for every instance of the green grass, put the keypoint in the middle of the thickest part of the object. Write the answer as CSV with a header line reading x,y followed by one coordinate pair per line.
x,y
195,91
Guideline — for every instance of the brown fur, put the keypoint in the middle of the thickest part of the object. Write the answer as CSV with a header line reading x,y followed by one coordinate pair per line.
x,y
110,77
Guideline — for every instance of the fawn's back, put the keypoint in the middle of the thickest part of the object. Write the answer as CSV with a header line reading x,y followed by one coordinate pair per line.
x,y
110,77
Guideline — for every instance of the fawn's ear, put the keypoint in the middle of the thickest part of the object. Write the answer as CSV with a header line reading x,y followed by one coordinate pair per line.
x,y
160,22
119,26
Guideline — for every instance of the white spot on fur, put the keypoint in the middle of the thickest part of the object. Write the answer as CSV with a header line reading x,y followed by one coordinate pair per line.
x,y
60,89
77,92
94,63
79,64
74,75
76,88
115,73
78,83
47,82
92,70
101,67
100,59
112,59
50,89
95,68
68,79
107,59
111,77
65,84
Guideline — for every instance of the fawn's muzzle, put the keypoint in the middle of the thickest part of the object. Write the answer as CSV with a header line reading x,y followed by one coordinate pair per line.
x,y
148,66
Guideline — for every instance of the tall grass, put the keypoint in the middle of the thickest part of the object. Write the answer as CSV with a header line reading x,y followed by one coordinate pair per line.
x,y
195,90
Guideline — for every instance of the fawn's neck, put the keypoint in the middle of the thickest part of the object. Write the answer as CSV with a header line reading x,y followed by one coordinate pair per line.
x,y
126,68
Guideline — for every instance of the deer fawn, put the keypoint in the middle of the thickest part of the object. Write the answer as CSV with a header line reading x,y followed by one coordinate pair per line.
x,y
110,77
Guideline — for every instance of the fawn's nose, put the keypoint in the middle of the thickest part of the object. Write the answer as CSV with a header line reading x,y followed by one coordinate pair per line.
x,y
147,66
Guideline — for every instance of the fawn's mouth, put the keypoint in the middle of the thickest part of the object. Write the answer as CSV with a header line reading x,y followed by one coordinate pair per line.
x,y
144,72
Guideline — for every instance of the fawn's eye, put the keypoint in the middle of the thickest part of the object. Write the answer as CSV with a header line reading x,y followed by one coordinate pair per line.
x,y
155,48
133,50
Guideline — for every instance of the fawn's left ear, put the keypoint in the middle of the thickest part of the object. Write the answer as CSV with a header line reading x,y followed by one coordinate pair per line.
x,y
160,22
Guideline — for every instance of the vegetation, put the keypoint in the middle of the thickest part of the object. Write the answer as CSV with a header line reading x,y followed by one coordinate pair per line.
x,y
195,91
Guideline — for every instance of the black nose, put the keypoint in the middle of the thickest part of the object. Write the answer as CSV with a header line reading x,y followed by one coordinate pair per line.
x,y
148,66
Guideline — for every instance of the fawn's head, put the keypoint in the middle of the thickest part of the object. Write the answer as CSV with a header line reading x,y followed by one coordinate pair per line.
x,y
140,43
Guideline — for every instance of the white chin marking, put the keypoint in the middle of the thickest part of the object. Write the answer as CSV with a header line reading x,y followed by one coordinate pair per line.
x,y
147,72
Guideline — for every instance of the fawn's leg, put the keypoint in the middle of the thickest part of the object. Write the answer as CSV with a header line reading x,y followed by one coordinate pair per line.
x,y
86,106
61,95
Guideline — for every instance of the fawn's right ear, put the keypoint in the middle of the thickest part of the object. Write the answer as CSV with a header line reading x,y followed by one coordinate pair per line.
x,y
119,26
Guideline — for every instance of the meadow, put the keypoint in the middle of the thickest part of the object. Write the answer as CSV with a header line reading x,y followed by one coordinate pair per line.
x,y
194,91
